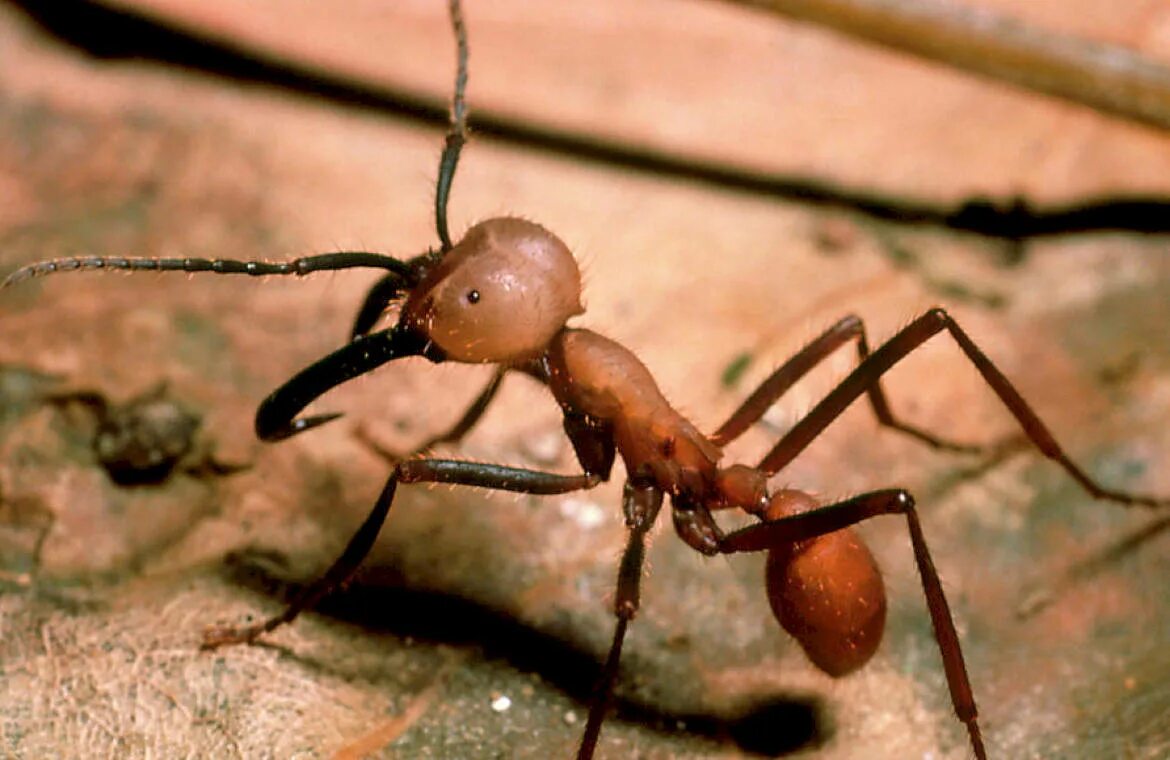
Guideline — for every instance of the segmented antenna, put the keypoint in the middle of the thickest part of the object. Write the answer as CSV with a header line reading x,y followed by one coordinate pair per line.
x,y
453,145
296,267
457,134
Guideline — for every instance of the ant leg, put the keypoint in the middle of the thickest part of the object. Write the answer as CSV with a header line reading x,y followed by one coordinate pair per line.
x,y
818,522
866,375
849,328
472,415
640,505
338,573
457,431
382,294
415,471
389,289
494,476
457,134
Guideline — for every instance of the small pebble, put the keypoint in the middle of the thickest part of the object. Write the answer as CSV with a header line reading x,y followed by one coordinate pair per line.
x,y
501,703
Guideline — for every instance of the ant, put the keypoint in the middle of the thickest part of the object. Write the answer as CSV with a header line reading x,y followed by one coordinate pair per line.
x,y
503,295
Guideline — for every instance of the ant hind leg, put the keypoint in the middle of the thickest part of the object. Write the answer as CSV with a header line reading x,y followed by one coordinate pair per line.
x,y
824,520
865,377
779,382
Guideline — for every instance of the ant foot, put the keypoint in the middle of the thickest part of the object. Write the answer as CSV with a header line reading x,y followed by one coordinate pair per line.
x,y
216,636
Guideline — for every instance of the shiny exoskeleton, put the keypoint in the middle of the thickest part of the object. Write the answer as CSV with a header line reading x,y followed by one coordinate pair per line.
x,y
504,295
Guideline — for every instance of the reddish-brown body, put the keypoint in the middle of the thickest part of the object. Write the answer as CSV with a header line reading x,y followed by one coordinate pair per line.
x,y
827,592
503,295
596,376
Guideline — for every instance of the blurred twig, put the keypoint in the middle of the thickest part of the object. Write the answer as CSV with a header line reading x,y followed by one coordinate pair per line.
x,y
1108,78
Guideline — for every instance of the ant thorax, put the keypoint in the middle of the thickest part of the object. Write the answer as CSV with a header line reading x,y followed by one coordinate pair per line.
x,y
596,376
503,294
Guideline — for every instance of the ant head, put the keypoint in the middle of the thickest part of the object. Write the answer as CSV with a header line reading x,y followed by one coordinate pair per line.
x,y
499,295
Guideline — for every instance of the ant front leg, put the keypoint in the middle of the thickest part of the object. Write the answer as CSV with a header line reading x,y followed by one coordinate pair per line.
x,y
866,376
471,416
414,471
474,412
640,504
779,382
385,291
786,532
338,573
454,434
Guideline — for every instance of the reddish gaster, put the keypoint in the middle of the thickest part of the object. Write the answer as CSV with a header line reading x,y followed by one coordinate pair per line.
x,y
503,295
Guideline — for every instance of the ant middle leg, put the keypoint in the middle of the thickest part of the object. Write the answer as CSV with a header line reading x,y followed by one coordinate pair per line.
x,y
821,521
414,471
865,378
779,382
640,504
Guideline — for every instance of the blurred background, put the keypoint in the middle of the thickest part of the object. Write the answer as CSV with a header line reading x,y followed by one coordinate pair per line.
x,y
732,184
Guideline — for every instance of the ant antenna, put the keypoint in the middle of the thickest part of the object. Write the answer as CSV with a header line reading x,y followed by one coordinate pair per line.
x,y
297,267
400,272
457,134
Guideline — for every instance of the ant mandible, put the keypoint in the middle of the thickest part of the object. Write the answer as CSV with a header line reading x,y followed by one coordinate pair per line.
x,y
503,295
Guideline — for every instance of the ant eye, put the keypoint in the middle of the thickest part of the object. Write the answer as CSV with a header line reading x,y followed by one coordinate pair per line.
x,y
472,296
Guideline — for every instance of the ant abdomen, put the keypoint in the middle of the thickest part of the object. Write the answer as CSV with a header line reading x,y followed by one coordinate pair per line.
x,y
499,295
826,592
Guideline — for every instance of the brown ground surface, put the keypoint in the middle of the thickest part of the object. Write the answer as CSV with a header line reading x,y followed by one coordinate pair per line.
x,y
1061,601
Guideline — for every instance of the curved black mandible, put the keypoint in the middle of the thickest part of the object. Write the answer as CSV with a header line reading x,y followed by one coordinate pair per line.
x,y
276,417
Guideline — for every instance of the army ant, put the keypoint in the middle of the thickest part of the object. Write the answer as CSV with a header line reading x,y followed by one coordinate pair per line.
x,y
503,295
